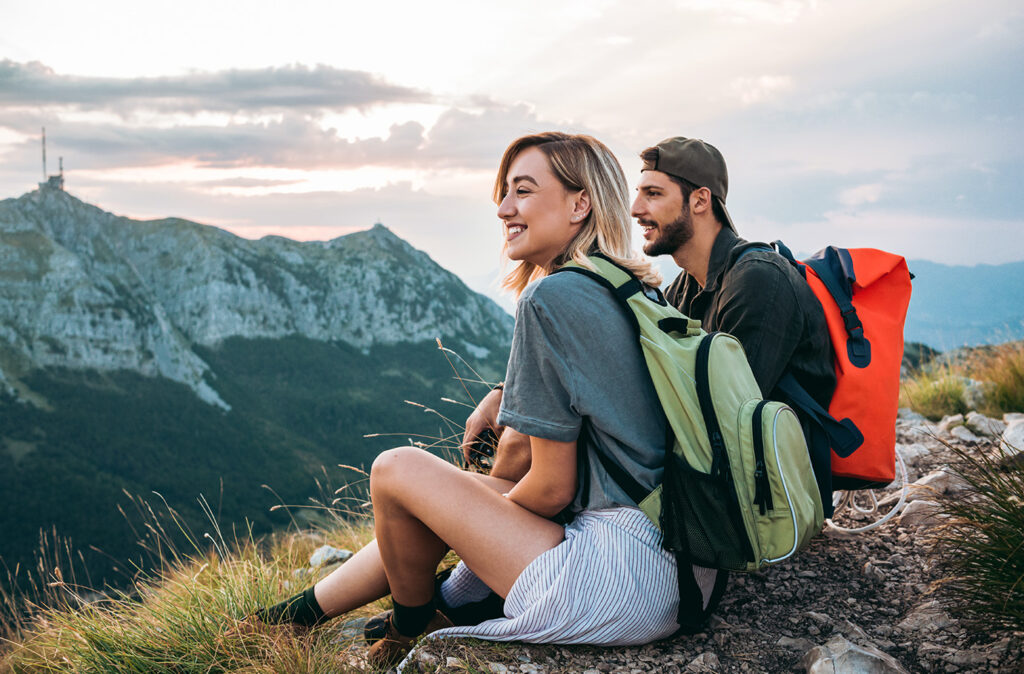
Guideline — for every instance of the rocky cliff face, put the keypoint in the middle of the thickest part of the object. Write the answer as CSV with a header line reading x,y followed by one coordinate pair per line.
x,y
83,288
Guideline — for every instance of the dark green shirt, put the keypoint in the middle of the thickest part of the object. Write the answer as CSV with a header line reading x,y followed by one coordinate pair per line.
x,y
764,302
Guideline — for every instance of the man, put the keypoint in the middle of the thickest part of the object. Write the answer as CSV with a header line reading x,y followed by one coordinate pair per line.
x,y
728,284
734,286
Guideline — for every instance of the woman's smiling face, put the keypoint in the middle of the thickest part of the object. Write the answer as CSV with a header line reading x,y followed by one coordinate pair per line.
x,y
541,217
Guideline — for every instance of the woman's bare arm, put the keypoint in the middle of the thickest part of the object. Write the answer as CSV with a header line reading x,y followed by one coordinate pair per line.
x,y
550,484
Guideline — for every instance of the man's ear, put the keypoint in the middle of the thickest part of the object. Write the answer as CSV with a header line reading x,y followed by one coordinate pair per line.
x,y
580,207
700,200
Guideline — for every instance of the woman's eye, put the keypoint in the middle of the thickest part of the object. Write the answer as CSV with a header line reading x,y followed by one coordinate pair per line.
x,y
522,190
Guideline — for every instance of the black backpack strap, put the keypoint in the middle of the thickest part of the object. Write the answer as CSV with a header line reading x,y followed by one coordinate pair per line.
x,y
834,267
826,435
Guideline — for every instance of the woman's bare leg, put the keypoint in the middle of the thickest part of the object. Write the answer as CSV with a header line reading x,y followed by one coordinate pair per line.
x,y
362,580
423,505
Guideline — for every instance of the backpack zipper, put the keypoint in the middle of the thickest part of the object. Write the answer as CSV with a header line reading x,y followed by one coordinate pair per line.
x,y
762,489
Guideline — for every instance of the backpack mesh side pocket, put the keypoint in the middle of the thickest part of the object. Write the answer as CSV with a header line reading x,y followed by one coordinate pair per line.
x,y
700,521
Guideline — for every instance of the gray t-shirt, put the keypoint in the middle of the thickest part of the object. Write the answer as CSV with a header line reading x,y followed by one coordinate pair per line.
x,y
575,366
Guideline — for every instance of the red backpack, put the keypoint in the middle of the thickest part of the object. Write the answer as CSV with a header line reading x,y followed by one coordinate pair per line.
x,y
865,294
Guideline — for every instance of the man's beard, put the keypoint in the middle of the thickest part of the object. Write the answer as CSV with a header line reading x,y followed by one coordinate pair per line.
x,y
671,237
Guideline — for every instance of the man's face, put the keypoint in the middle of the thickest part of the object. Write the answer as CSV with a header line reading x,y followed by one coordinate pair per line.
x,y
663,214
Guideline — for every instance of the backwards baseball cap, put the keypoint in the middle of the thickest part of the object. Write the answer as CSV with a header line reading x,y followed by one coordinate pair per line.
x,y
696,162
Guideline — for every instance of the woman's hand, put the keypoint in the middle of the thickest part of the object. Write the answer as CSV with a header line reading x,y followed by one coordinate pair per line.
x,y
550,484
484,416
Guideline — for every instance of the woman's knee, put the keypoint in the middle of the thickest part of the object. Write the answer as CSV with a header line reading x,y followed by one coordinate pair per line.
x,y
394,466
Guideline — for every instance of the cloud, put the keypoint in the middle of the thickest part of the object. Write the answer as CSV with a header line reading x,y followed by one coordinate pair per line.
x,y
751,90
861,194
236,90
462,139
753,11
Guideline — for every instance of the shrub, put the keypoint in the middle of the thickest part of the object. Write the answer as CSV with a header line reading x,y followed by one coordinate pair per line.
x,y
1004,368
934,395
982,546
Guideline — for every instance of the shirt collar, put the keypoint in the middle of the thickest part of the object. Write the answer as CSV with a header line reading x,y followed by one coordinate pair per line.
x,y
720,250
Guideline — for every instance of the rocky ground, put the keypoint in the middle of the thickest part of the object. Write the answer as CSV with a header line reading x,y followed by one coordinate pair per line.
x,y
867,602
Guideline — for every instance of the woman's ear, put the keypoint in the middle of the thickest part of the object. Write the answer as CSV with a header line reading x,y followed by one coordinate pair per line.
x,y
580,207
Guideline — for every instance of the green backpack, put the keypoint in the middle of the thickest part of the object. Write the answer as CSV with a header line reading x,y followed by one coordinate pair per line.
x,y
738,492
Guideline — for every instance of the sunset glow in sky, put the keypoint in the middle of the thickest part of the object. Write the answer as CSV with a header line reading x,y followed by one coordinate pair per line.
x,y
890,123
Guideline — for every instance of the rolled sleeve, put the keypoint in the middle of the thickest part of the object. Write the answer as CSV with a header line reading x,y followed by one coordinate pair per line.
x,y
539,385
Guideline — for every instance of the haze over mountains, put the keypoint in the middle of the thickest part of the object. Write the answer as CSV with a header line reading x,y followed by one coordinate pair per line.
x,y
174,357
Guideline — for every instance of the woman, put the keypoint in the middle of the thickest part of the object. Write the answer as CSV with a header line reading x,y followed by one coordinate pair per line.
x,y
576,384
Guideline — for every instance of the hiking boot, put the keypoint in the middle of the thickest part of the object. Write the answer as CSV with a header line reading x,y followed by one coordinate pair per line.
x,y
376,627
389,650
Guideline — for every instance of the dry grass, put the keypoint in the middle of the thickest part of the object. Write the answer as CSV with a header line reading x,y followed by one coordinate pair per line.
x,y
185,618
939,390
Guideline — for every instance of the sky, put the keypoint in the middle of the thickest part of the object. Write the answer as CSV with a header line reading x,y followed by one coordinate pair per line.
x,y
894,124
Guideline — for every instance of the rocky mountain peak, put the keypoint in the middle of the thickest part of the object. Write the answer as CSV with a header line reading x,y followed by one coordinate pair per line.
x,y
83,288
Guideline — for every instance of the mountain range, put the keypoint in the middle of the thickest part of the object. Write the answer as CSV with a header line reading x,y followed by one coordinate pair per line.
x,y
172,357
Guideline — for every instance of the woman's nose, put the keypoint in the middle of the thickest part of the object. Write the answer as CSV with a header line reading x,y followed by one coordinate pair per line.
x,y
506,209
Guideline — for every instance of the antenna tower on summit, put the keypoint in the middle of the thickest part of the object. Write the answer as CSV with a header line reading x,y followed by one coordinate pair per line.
x,y
51,182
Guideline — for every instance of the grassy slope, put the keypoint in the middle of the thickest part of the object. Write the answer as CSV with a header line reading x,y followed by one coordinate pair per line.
x,y
299,408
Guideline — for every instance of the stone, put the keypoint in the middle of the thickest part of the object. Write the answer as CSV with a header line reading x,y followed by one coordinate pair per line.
x,y
820,618
907,414
951,421
1012,440
969,658
974,393
911,453
452,662
983,425
942,481
326,554
529,668
839,656
1011,417
705,662
850,630
497,668
801,645
927,617
873,572
920,513
964,434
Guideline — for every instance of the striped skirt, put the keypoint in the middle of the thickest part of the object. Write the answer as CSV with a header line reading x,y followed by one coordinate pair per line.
x,y
608,583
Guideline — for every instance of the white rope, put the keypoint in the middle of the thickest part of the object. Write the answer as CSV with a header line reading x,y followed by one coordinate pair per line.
x,y
843,499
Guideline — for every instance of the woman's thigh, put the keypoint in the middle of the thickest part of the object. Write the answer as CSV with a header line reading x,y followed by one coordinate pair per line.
x,y
495,537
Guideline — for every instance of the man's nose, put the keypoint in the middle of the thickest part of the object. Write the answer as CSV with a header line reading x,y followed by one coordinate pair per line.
x,y
636,210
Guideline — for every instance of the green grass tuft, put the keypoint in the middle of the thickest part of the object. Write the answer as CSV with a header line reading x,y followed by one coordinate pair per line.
x,y
982,546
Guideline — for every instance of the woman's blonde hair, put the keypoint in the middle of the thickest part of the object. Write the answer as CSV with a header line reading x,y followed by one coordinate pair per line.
x,y
581,163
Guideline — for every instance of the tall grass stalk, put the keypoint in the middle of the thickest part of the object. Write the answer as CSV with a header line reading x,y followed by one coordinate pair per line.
x,y
185,617
982,545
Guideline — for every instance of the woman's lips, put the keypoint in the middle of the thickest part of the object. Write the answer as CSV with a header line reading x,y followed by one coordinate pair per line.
x,y
512,231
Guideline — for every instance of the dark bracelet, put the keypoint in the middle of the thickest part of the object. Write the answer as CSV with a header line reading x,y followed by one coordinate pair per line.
x,y
498,387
